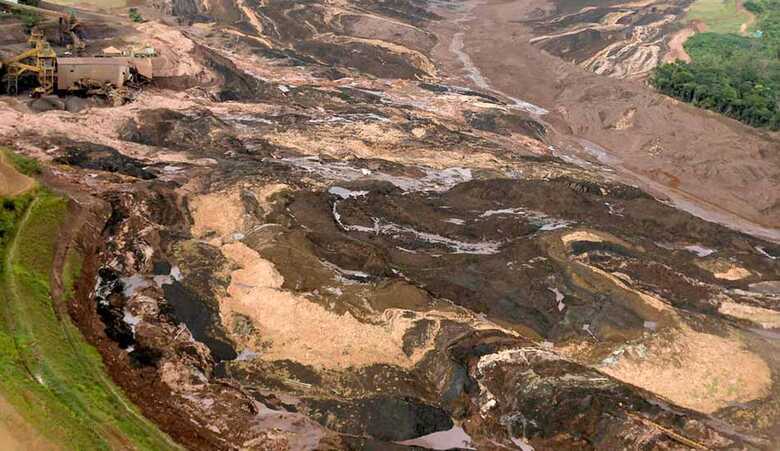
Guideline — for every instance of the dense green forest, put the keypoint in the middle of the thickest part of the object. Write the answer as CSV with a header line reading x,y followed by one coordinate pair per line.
x,y
738,76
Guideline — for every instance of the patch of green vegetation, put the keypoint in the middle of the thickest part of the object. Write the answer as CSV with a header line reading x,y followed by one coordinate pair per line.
x,y
753,7
47,370
71,272
721,16
738,76
29,18
25,165
134,15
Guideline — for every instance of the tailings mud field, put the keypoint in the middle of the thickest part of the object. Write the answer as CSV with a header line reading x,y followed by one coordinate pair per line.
x,y
715,167
354,225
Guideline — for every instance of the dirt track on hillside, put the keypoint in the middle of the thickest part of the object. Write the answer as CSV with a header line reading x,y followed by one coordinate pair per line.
x,y
17,435
12,183
677,42
751,17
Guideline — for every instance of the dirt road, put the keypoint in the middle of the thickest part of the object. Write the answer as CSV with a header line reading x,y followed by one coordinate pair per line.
x,y
677,42
12,183
743,29
17,435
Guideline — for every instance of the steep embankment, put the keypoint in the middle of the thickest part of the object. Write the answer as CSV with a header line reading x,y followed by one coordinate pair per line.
x,y
52,381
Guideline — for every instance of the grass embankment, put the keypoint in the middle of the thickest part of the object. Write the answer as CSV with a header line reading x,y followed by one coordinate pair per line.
x,y
720,16
50,375
737,76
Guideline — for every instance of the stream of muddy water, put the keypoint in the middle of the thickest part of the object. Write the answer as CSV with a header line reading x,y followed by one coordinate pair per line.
x,y
472,71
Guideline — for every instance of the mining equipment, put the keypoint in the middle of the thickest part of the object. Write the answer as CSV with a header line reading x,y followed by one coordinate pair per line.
x,y
103,76
106,76
40,60
88,75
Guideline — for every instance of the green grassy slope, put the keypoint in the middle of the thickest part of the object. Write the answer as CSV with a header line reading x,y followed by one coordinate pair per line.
x,y
721,16
48,372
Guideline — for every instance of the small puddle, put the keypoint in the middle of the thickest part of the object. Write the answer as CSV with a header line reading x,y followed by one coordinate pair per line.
x,y
455,438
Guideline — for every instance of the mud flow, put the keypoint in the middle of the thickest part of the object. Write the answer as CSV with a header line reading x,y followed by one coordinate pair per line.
x,y
329,227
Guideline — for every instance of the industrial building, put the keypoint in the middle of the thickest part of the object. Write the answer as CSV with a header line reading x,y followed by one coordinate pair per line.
x,y
76,73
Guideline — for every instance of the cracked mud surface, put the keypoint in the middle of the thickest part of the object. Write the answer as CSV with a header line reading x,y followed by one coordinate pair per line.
x,y
311,236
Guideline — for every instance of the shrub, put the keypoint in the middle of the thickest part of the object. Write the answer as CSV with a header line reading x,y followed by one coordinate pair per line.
x,y
134,15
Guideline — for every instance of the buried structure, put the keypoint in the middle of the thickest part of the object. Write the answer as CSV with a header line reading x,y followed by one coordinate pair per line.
x,y
49,72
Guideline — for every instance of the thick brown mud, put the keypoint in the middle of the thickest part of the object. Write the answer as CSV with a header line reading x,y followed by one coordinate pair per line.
x,y
650,140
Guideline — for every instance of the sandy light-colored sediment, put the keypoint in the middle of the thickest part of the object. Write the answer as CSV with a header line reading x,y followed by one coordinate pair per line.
x,y
698,359
293,327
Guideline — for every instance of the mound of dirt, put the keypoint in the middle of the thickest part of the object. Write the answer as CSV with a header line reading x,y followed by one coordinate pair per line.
x,y
102,158
195,131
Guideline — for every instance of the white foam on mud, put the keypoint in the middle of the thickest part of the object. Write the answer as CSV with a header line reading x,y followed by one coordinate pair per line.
x,y
442,440
522,444
545,223
246,355
454,221
765,253
131,320
245,120
559,297
161,280
133,283
336,291
700,251
555,225
345,276
381,227
345,193
615,211
350,118
504,211
434,179
170,169
167,279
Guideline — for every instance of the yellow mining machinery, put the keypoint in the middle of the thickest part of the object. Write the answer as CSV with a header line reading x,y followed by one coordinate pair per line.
x,y
40,61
